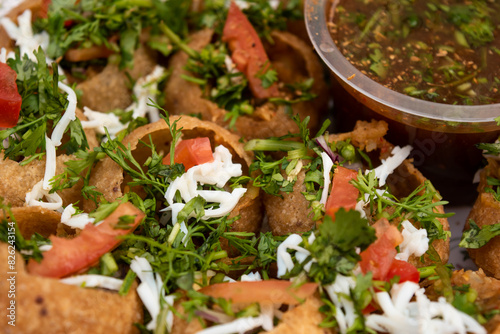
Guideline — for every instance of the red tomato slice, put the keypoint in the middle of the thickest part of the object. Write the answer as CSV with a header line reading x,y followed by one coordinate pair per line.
x,y
343,194
247,51
405,270
69,256
272,291
10,100
192,152
378,257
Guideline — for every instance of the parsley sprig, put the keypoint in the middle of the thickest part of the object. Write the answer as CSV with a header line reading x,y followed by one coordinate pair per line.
x,y
420,205
114,24
43,105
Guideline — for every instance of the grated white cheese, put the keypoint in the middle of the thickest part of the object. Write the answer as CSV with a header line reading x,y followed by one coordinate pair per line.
x,y
7,6
94,281
23,34
284,259
80,220
50,163
252,277
69,115
4,55
421,316
99,120
216,173
42,248
151,292
146,88
245,4
240,325
227,201
267,314
54,201
415,241
339,292
388,166
327,167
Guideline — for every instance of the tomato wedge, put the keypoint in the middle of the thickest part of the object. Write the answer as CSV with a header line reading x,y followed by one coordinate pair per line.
x,y
343,194
192,152
405,270
248,53
379,259
69,256
272,291
10,100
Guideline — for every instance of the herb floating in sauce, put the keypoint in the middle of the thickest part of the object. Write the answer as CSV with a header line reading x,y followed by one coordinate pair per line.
x,y
441,51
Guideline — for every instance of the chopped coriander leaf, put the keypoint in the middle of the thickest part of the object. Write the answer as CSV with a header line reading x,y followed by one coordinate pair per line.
x,y
42,107
477,237
268,78
334,248
420,205
114,24
493,149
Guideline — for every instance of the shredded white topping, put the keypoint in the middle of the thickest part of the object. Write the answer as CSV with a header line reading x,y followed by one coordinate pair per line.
x,y
99,120
50,163
23,34
252,277
7,6
94,281
388,166
80,220
145,89
68,116
415,241
4,55
42,248
422,316
327,167
240,325
216,173
267,314
151,291
339,293
54,201
284,259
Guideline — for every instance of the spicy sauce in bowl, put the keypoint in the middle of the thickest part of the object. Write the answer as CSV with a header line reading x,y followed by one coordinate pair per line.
x,y
443,135
439,51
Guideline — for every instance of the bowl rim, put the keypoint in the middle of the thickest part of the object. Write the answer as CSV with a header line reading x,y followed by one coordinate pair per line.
x,y
397,106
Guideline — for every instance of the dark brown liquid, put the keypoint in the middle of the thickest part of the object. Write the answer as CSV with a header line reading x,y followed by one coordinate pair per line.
x,y
424,48
449,160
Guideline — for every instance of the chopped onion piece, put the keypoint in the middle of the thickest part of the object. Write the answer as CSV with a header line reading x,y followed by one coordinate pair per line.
x,y
324,145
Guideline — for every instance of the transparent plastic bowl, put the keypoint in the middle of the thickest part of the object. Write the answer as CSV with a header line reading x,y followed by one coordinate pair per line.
x,y
443,136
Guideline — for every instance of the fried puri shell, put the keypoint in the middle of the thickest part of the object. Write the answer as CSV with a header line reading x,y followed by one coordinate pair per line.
x,y
486,211
291,213
45,305
303,319
35,219
487,288
405,179
109,89
108,176
16,180
294,61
